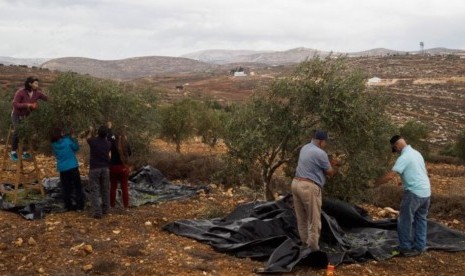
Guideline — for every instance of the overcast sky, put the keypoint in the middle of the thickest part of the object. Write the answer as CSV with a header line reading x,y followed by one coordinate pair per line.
x,y
117,29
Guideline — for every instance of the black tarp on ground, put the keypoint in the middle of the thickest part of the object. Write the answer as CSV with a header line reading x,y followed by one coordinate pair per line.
x,y
269,230
147,185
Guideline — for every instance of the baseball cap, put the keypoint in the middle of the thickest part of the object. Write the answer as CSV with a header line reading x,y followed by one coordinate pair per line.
x,y
394,140
321,135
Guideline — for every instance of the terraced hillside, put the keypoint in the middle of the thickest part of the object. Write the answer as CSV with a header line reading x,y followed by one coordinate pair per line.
x,y
430,89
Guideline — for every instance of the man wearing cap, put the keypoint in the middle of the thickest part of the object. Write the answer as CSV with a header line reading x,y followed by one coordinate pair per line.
x,y
412,222
312,168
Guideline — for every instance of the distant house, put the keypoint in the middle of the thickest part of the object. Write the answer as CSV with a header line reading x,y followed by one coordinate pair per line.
x,y
240,74
374,80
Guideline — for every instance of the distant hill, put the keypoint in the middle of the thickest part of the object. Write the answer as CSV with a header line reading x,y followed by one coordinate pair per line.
x,y
22,61
207,61
387,52
282,57
127,69
300,54
221,56
266,57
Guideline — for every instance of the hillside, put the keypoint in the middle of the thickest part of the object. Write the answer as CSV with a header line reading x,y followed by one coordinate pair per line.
x,y
127,69
22,61
220,56
208,61
12,76
430,89
425,88
297,55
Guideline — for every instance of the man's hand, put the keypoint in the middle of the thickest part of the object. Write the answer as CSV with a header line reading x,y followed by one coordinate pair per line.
x,y
335,162
33,106
386,178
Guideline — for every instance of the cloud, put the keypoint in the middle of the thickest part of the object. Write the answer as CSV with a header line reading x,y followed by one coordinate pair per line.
x,y
125,28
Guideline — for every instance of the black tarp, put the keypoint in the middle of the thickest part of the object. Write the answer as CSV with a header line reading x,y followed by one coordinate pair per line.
x,y
146,185
268,230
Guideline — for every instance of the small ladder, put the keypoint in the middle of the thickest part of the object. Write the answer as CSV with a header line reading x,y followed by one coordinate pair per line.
x,y
26,172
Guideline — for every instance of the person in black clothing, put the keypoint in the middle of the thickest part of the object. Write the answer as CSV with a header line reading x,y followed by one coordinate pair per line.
x,y
99,176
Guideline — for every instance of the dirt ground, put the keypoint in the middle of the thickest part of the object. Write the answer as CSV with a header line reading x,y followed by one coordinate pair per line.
x,y
133,242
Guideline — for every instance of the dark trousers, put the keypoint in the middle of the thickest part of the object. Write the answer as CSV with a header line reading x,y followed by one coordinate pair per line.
x,y
15,120
99,183
72,187
119,173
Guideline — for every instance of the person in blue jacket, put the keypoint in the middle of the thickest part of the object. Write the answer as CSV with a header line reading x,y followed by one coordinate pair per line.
x,y
64,148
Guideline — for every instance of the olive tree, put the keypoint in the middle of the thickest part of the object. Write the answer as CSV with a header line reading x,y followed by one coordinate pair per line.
x,y
187,118
176,122
322,93
79,102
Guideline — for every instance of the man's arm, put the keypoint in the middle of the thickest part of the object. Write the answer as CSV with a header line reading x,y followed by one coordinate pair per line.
x,y
334,167
42,96
392,175
18,101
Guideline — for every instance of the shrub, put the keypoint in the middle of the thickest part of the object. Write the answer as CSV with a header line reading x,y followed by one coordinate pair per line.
x,y
416,133
5,111
450,206
195,168
211,211
460,146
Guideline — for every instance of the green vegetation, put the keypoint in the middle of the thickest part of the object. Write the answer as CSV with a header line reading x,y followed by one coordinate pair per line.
x,y
416,133
79,102
187,118
263,135
5,111
459,148
325,93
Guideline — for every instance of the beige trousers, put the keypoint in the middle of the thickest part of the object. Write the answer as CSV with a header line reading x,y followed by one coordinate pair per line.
x,y
307,206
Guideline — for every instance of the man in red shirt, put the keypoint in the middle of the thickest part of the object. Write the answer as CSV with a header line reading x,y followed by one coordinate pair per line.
x,y
24,102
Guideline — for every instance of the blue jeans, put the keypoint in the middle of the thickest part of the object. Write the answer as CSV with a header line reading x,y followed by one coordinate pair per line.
x,y
412,222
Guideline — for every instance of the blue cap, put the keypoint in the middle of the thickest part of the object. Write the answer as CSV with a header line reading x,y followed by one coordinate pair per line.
x,y
321,135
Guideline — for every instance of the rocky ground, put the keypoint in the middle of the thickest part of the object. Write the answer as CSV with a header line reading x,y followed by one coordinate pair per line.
x,y
133,242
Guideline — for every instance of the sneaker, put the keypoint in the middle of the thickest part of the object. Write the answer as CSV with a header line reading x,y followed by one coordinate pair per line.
x,y
409,252
14,156
27,156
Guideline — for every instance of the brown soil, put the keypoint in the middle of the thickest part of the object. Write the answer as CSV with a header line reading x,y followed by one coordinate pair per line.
x,y
429,89
133,242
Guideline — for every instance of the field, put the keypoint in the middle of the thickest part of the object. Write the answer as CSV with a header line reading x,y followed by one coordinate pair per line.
x,y
428,89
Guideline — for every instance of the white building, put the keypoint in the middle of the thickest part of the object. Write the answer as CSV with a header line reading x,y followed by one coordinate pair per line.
x,y
240,74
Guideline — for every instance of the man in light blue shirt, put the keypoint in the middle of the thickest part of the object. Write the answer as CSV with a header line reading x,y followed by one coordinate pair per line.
x,y
412,221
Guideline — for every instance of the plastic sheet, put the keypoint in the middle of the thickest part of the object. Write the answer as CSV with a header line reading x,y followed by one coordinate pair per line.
x,y
268,230
146,185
